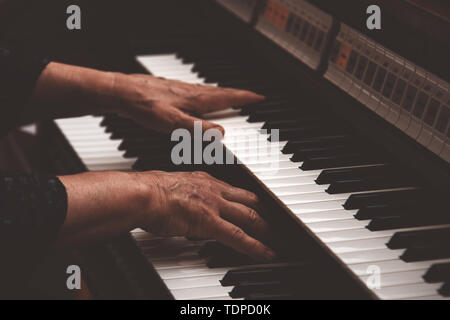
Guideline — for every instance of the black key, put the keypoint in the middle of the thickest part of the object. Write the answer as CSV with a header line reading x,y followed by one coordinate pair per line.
x,y
438,273
270,287
341,160
368,183
226,73
140,151
283,113
302,154
383,211
417,238
220,256
271,296
259,274
207,64
389,223
136,132
357,201
307,132
333,175
319,141
439,251
269,104
229,260
129,143
293,123
445,289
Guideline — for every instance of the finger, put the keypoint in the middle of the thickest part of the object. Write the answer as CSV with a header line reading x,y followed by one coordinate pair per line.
x,y
183,120
244,217
222,98
236,238
241,196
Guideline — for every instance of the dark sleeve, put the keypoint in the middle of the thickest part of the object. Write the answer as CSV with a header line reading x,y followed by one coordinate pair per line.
x,y
32,210
19,73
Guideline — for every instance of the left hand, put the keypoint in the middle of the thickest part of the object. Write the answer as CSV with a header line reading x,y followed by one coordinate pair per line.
x,y
165,105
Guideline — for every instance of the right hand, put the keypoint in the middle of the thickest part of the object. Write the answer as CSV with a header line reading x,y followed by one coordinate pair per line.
x,y
103,205
194,204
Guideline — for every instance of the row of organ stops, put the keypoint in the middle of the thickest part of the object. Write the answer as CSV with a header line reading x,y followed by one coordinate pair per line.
x,y
413,97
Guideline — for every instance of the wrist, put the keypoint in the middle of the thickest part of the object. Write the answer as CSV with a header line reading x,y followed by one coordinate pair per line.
x,y
96,89
147,199
83,90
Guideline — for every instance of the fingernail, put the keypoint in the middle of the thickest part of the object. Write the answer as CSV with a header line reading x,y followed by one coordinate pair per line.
x,y
221,129
270,254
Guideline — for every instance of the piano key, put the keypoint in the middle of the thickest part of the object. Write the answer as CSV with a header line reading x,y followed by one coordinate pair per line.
x,y
395,265
420,237
326,226
319,141
314,197
297,189
199,293
193,282
380,211
194,271
398,278
445,289
358,245
177,262
336,161
330,176
386,223
407,291
366,184
369,199
431,252
434,297
267,273
334,215
438,273
369,256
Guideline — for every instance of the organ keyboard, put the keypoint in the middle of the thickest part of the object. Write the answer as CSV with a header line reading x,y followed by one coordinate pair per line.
x,y
368,211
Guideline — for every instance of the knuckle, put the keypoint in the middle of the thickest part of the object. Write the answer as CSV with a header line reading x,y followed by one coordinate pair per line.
x,y
253,197
201,174
253,216
237,234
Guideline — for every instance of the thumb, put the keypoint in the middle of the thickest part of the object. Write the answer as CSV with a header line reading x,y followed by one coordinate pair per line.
x,y
188,122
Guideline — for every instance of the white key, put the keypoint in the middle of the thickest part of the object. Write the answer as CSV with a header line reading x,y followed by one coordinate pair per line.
x,y
193,282
370,256
358,245
395,265
200,293
327,226
399,278
407,291
326,216
289,190
195,271
313,197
